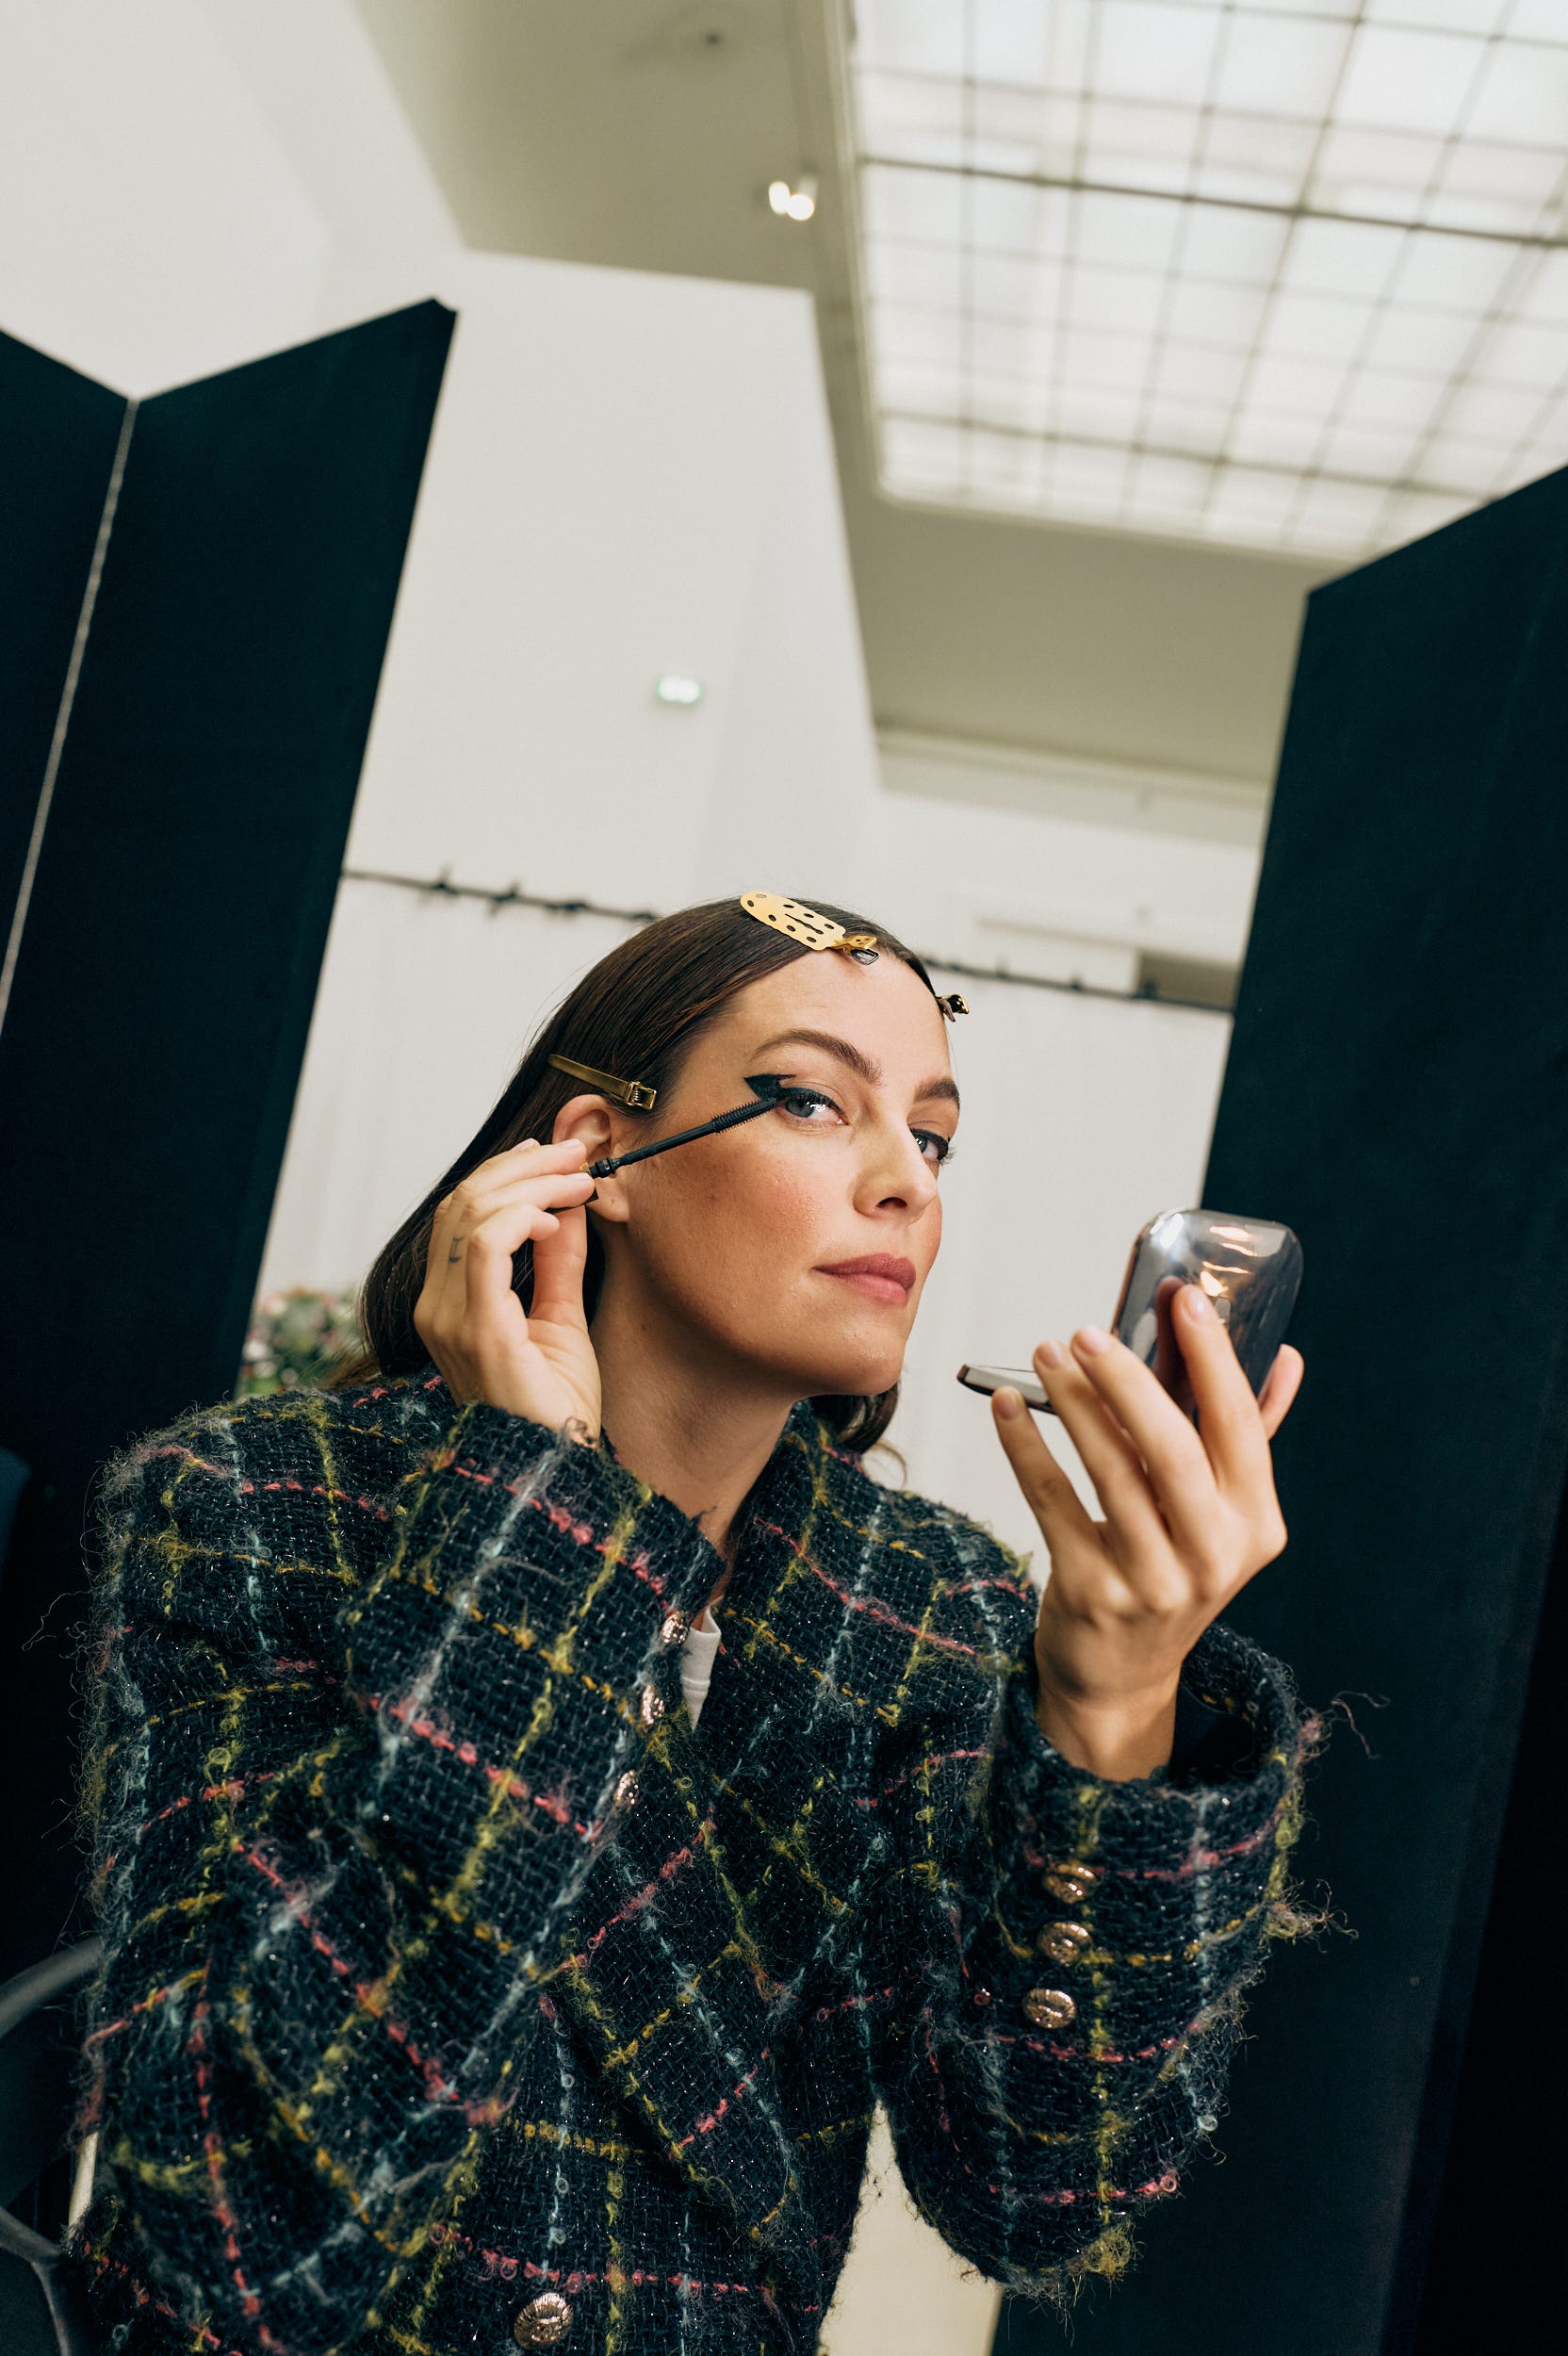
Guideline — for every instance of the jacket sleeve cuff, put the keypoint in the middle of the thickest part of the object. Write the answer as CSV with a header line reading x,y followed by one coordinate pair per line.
x,y
1115,1888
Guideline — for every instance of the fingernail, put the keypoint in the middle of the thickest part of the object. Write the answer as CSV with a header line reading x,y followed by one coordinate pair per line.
x,y
1089,1340
1007,1405
1198,1303
1051,1354
526,1141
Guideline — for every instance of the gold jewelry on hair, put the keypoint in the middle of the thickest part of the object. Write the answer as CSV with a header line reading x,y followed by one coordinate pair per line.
x,y
629,1093
798,922
952,1006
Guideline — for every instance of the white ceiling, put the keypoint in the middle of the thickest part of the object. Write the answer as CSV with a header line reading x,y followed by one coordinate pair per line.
x,y
644,134
1285,272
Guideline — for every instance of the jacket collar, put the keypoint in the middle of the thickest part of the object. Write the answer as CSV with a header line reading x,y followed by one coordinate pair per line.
x,y
795,1475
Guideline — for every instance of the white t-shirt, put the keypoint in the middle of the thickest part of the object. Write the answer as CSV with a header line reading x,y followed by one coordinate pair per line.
x,y
697,1661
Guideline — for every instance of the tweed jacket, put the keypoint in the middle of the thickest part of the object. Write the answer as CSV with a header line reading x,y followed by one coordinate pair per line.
x,y
460,1993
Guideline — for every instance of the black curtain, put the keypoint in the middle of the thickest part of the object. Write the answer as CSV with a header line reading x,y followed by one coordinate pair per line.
x,y
195,599
1397,1090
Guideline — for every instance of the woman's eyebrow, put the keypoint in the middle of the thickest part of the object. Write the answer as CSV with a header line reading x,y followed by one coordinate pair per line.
x,y
859,1061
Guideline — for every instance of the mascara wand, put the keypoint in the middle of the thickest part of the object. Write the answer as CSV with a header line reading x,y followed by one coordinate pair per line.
x,y
767,1086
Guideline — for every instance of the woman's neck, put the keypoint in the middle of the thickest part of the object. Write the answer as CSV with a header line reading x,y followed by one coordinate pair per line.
x,y
698,1433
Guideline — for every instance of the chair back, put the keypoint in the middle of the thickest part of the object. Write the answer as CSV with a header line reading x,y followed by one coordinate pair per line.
x,y
41,2312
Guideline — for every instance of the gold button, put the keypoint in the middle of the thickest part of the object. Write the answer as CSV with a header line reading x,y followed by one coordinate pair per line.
x,y
1064,1942
543,2322
651,1706
674,1628
1050,2007
625,1791
1069,1881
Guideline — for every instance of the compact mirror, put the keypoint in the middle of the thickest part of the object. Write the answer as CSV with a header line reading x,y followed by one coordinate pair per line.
x,y
1250,1269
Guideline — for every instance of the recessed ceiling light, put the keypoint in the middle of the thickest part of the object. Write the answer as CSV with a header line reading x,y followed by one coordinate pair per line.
x,y
794,203
673,689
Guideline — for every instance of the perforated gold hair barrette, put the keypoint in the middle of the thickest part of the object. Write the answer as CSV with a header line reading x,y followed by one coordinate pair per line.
x,y
796,922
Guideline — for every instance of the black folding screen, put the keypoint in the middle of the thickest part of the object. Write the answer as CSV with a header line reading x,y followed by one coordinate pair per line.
x,y
195,594
61,435
1397,1090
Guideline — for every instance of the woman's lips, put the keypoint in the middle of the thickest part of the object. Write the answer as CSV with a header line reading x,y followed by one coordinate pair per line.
x,y
880,1276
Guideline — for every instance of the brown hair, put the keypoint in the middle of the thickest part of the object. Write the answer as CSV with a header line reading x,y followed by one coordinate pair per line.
x,y
636,1013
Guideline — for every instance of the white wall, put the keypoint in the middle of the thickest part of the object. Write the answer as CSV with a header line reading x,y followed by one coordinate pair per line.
x,y
629,475
1065,869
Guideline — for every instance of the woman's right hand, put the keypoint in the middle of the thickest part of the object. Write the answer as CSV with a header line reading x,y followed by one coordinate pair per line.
x,y
540,1365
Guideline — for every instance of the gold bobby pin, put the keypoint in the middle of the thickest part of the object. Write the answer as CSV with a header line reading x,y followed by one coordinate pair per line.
x,y
628,1092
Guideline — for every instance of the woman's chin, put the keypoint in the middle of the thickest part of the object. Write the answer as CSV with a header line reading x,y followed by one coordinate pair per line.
x,y
859,1377
812,1364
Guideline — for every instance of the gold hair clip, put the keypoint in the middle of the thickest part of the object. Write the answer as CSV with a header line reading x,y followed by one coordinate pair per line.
x,y
794,918
799,922
628,1092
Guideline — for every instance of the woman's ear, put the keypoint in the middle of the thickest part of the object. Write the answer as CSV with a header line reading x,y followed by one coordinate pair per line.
x,y
593,1120
588,1117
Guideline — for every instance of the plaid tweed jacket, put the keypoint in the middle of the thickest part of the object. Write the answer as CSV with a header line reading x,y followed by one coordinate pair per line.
x,y
460,1993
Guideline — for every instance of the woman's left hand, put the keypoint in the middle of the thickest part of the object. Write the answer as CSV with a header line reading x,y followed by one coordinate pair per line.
x,y
1190,1516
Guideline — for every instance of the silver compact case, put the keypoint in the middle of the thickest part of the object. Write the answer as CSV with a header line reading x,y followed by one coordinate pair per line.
x,y
1251,1268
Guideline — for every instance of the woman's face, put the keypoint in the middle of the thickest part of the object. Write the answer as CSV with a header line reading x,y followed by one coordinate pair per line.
x,y
797,1246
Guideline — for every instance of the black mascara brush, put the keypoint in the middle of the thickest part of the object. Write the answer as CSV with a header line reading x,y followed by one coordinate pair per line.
x,y
767,1086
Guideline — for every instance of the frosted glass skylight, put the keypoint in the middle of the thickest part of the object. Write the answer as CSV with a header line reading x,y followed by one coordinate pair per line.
x,y
1290,272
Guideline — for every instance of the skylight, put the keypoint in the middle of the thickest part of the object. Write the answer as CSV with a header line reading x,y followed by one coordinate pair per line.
x,y
1283,272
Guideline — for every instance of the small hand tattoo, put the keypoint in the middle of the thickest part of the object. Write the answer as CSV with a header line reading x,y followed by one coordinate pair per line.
x,y
456,1252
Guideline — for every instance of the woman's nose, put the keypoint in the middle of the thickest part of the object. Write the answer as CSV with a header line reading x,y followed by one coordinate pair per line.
x,y
897,1176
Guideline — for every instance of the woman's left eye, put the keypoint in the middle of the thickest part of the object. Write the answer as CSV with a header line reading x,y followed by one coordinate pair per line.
x,y
933,1144
800,1102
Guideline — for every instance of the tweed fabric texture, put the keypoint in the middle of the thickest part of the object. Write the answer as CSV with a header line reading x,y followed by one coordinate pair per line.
x,y
447,1963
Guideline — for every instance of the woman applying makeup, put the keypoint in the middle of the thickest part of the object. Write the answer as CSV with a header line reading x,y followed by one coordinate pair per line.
x,y
489,1963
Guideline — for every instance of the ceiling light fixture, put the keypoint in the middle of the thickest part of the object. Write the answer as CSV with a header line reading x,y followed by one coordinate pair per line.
x,y
794,203
673,688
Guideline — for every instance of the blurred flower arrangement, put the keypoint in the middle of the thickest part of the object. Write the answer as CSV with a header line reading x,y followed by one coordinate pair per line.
x,y
294,1338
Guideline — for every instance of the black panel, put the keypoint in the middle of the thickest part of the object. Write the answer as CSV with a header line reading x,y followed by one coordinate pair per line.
x,y
58,438
1397,1090
168,966
1499,2221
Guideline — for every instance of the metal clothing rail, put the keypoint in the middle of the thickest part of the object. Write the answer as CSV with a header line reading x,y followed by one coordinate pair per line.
x,y
1148,994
